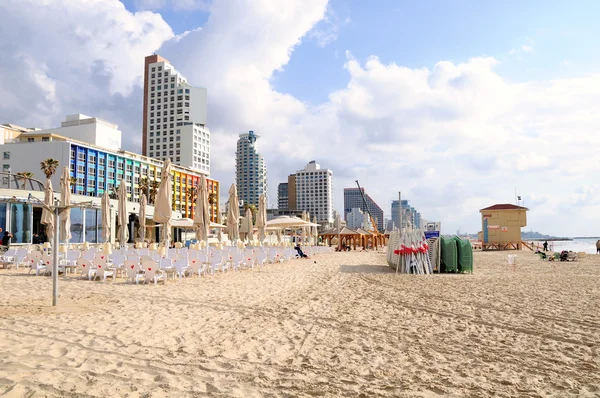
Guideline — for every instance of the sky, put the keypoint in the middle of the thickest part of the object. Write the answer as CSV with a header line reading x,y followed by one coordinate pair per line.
x,y
455,104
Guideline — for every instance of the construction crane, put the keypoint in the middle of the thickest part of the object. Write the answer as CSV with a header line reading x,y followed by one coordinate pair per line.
x,y
362,194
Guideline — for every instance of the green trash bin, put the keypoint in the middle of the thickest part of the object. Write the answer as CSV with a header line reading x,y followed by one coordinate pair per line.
x,y
448,255
464,255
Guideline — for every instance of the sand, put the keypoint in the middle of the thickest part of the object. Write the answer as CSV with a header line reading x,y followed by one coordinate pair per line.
x,y
345,326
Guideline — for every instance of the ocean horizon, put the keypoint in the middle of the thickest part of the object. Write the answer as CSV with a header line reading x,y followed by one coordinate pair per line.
x,y
587,245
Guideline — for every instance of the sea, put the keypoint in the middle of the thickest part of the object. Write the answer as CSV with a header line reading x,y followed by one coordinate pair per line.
x,y
576,245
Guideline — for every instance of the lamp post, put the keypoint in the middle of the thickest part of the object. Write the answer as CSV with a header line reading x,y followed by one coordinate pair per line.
x,y
56,210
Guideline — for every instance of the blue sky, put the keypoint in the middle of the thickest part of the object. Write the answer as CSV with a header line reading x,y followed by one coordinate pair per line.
x,y
418,34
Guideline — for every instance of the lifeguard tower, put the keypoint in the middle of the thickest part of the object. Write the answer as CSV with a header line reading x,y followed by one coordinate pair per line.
x,y
501,227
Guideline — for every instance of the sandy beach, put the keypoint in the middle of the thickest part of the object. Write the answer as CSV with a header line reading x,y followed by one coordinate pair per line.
x,y
345,326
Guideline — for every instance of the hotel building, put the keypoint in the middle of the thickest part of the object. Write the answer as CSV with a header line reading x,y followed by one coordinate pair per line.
x,y
314,192
97,168
175,113
250,169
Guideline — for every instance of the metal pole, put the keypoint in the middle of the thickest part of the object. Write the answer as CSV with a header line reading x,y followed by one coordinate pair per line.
x,y
55,259
400,222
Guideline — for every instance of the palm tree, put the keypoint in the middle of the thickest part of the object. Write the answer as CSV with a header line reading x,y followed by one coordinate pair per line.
x,y
24,176
252,208
49,167
192,193
112,195
149,188
212,198
73,181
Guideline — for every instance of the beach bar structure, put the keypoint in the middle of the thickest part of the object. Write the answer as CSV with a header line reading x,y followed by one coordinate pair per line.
x,y
501,227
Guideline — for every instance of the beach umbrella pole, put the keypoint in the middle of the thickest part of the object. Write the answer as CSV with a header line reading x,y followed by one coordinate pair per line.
x,y
55,259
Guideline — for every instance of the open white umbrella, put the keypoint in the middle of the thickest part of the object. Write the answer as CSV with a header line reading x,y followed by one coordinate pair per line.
x,y
201,216
233,214
65,196
163,205
246,229
105,217
48,216
288,222
142,217
123,216
261,217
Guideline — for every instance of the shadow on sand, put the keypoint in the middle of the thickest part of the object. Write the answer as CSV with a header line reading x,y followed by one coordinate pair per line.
x,y
366,269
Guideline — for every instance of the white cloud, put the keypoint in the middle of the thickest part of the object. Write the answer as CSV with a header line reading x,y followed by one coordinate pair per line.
x,y
87,58
187,5
454,138
527,48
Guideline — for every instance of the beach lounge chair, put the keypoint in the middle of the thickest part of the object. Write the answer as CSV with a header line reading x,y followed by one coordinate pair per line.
x,y
101,272
261,259
8,258
218,261
133,271
83,267
152,274
181,266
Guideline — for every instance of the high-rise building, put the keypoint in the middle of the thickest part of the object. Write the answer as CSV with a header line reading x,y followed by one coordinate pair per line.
x,y
292,192
353,198
314,192
282,196
174,124
410,216
250,169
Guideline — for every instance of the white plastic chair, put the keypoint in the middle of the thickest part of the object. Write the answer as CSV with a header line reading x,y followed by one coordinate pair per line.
x,y
84,266
152,273
101,270
216,262
181,266
133,272
261,259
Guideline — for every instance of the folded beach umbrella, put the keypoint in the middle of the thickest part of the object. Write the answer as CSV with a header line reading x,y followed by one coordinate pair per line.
x,y
246,228
123,233
163,205
65,200
261,217
315,230
201,215
233,214
105,204
142,217
338,227
47,216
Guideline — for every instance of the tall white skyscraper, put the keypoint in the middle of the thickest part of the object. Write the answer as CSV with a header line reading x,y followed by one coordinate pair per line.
x,y
314,192
250,169
174,125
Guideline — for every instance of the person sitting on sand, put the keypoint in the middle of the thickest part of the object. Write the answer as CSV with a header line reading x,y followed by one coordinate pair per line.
x,y
300,252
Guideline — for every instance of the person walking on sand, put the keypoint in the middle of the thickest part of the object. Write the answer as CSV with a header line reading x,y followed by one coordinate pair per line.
x,y
546,246
598,246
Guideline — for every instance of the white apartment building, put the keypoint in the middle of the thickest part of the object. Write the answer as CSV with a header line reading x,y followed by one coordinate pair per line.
x,y
314,192
250,169
356,218
175,113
